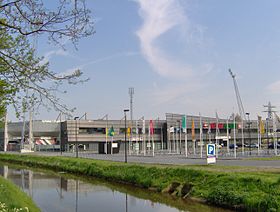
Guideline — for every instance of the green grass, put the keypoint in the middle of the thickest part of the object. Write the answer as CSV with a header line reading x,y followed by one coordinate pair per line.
x,y
13,199
252,189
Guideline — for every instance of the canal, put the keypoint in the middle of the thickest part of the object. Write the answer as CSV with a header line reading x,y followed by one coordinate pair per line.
x,y
65,193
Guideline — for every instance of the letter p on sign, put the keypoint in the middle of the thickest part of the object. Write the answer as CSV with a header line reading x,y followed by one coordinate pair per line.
x,y
211,150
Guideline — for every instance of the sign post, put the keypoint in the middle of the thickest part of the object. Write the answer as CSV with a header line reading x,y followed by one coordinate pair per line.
x,y
211,153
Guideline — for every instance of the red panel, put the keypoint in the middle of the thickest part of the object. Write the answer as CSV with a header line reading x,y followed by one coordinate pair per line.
x,y
221,126
213,125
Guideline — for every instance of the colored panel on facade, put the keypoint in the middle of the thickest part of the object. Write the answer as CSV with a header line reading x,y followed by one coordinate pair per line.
x,y
231,126
213,125
205,125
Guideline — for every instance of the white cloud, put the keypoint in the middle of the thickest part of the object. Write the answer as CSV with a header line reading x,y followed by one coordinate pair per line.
x,y
58,52
173,93
99,60
274,87
159,17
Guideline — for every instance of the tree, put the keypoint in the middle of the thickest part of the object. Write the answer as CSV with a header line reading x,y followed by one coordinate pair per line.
x,y
26,80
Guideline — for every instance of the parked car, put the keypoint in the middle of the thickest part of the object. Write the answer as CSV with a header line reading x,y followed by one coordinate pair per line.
x,y
271,146
231,146
253,146
220,146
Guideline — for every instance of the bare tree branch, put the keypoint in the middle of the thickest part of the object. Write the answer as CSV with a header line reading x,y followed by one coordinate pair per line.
x,y
27,81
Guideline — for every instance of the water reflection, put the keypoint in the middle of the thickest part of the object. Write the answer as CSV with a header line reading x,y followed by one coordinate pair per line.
x,y
53,192
77,194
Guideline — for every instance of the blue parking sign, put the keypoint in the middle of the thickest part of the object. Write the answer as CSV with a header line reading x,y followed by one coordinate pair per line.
x,y
211,150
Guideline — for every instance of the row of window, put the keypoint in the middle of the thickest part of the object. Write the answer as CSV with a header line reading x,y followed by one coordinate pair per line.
x,y
121,131
213,131
157,131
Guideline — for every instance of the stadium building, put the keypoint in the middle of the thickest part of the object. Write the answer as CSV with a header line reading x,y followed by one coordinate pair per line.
x,y
106,136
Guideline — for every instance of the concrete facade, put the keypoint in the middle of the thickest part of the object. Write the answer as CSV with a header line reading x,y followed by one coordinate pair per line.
x,y
90,134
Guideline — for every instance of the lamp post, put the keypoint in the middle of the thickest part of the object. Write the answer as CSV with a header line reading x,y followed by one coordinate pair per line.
x,y
76,135
180,135
249,132
125,149
161,136
267,138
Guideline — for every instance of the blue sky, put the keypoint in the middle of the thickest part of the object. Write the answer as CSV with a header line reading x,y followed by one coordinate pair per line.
x,y
176,54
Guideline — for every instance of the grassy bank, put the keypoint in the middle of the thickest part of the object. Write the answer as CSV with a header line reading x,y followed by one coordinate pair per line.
x,y
13,199
246,189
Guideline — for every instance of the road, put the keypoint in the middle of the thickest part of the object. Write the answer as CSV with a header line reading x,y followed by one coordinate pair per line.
x,y
171,159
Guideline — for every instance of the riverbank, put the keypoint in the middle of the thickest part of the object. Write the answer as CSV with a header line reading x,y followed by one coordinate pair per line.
x,y
13,199
252,190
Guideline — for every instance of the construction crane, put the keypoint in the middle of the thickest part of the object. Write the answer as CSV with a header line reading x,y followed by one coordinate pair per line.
x,y
238,98
240,107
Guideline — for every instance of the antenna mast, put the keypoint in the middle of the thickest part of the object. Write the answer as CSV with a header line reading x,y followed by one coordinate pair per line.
x,y
131,92
269,110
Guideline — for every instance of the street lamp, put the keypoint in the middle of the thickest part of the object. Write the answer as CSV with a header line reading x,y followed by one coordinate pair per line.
x,y
267,136
249,132
125,149
180,138
76,135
